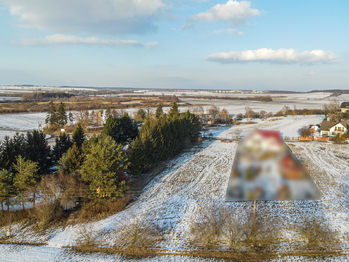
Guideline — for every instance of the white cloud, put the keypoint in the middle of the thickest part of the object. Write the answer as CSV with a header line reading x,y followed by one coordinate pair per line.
x,y
102,16
151,44
231,31
284,56
59,39
310,73
232,11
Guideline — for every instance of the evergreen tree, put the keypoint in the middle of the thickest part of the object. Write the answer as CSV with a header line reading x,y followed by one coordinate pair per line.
x,y
62,117
174,113
159,111
192,125
25,177
162,138
37,150
78,136
70,162
71,118
51,117
112,128
11,149
7,154
62,144
141,158
101,169
6,188
120,129
140,116
129,129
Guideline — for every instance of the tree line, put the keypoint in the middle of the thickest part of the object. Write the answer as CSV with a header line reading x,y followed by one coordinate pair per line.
x,y
161,137
90,167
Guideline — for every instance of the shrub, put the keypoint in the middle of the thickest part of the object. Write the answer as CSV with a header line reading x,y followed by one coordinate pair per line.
x,y
304,131
208,229
317,233
139,233
87,236
48,214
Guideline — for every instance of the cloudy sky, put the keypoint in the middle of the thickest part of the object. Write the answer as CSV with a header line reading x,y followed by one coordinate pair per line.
x,y
216,44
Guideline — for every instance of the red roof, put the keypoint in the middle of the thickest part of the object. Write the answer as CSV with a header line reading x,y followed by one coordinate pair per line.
x,y
270,133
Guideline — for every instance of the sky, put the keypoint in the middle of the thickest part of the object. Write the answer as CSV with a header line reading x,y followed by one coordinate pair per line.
x,y
181,44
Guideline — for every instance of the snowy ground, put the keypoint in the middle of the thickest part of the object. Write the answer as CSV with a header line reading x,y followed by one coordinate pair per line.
x,y
199,177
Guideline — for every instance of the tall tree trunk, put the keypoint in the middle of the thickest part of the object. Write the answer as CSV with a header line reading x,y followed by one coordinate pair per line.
x,y
8,205
34,200
22,201
2,206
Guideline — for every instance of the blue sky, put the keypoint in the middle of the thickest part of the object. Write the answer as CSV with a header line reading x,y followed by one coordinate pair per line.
x,y
283,45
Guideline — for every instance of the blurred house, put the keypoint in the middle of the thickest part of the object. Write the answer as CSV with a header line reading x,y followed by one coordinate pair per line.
x,y
331,128
265,169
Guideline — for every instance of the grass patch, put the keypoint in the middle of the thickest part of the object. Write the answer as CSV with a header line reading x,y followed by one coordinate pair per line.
x,y
225,255
99,210
4,242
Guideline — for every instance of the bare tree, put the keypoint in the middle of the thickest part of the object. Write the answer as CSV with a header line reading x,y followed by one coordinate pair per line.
x,y
317,233
214,111
304,131
82,115
286,110
262,114
224,115
87,236
198,110
249,113
334,106
263,230
140,232
234,228
209,227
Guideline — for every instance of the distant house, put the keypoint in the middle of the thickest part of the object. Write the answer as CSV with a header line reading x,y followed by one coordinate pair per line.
x,y
330,128
345,107
207,119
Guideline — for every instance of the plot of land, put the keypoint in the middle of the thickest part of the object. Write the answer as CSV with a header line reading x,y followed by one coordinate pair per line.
x,y
198,178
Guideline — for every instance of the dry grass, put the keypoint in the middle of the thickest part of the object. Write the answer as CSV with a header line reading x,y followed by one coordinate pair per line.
x,y
224,255
219,227
87,236
12,217
140,233
317,234
99,210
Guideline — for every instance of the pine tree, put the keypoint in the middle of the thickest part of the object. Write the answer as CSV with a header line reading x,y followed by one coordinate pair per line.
x,y
101,169
25,177
51,117
140,116
129,129
10,149
6,188
112,128
174,113
120,129
62,117
71,161
37,150
71,118
7,154
78,136
62,144
159,111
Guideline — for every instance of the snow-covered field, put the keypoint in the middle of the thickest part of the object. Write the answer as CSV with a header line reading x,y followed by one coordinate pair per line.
x,y
30,121
198,178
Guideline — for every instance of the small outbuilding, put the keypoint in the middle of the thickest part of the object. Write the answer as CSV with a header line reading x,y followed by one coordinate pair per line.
x,y
345,107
